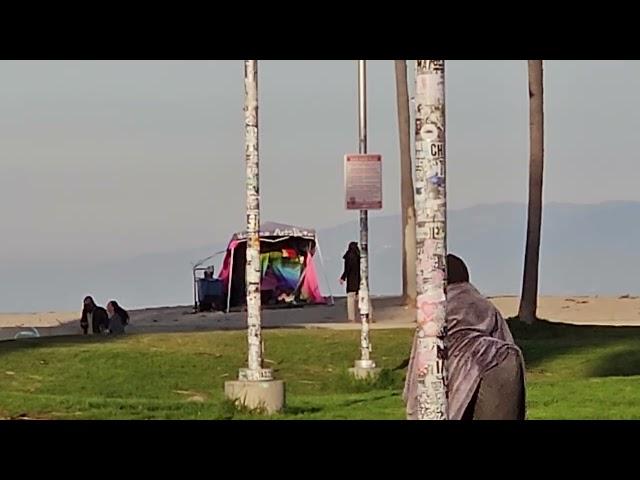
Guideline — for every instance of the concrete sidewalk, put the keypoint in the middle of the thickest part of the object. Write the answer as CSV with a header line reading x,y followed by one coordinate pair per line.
x,y
388,313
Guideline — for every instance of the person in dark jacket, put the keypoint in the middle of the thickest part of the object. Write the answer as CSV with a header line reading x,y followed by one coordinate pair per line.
x,y
118,318
351,275
94,315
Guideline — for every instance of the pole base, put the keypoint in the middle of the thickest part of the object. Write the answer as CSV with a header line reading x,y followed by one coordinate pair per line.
x,y
365,364
365,369
255,375
266,396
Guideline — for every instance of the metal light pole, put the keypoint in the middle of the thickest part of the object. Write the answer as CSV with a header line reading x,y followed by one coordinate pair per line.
x,y
364,301
431,228
255,387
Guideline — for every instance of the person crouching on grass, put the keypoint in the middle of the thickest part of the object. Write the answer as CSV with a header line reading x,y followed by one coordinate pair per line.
x,y
485,368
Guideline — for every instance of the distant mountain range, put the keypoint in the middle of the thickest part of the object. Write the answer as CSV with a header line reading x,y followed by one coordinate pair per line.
x,y
586,249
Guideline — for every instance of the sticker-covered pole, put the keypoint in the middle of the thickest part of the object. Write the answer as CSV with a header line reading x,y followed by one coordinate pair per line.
x,y
255,388
252,273
431,228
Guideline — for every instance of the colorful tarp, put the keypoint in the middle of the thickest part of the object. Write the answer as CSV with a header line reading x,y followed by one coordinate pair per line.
x,y
287,263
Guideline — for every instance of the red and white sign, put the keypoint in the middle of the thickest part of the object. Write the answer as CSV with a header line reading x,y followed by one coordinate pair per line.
x,y
363,181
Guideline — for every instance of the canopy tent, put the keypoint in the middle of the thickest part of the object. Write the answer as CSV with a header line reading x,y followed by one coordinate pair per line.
x,y
287,260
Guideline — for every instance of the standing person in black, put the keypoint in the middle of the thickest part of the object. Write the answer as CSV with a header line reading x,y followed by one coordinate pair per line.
x,y
351,275
94,315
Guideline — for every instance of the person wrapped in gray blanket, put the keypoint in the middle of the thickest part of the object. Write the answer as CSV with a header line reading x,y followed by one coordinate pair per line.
x,y
485,368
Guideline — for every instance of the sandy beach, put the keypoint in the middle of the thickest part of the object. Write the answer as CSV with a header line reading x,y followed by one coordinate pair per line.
x,y
388,313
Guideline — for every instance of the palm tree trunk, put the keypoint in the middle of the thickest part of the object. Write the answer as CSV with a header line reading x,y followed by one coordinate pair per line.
x,y
529,297
406,187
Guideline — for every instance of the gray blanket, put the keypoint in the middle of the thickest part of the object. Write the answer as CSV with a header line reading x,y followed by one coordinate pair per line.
x,y
478,339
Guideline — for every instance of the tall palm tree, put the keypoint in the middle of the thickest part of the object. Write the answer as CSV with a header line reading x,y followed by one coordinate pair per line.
x,y
529,297
406,187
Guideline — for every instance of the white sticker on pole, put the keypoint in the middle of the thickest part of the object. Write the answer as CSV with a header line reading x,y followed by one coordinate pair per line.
x,y
363,181
429,85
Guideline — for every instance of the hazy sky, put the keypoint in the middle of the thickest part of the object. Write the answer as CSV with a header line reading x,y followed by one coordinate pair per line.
x,y
107,159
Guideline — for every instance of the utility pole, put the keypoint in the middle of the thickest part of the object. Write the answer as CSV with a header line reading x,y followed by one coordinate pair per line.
x,y
431,239
255,387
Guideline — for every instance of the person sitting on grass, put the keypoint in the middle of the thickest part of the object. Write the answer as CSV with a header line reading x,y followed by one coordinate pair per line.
x,y
118,318
485,368
94,315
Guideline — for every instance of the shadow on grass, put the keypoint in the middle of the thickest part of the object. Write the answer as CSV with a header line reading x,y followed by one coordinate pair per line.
x,y
360,401
386,380
228,410
546,340
621,363
9,346
301,410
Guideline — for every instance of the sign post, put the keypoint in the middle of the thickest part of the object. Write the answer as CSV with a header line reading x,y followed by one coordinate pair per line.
x,y
363,181
363,185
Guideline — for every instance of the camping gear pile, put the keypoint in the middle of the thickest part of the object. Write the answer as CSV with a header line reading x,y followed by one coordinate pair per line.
x,y
210,292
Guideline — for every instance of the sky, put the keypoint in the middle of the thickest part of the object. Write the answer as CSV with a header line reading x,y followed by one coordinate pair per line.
x,y
104,160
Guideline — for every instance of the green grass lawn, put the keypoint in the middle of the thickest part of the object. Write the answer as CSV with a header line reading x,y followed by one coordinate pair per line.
x,y
572,373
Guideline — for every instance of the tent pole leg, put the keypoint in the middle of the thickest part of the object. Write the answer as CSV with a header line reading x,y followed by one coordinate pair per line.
x,y
233,250
195,291
324,271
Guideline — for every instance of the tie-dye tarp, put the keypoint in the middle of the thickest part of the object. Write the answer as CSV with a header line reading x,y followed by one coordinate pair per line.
x,y
280,270
285,271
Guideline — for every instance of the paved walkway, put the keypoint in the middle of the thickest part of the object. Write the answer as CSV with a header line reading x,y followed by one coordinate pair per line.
x,y
388,313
